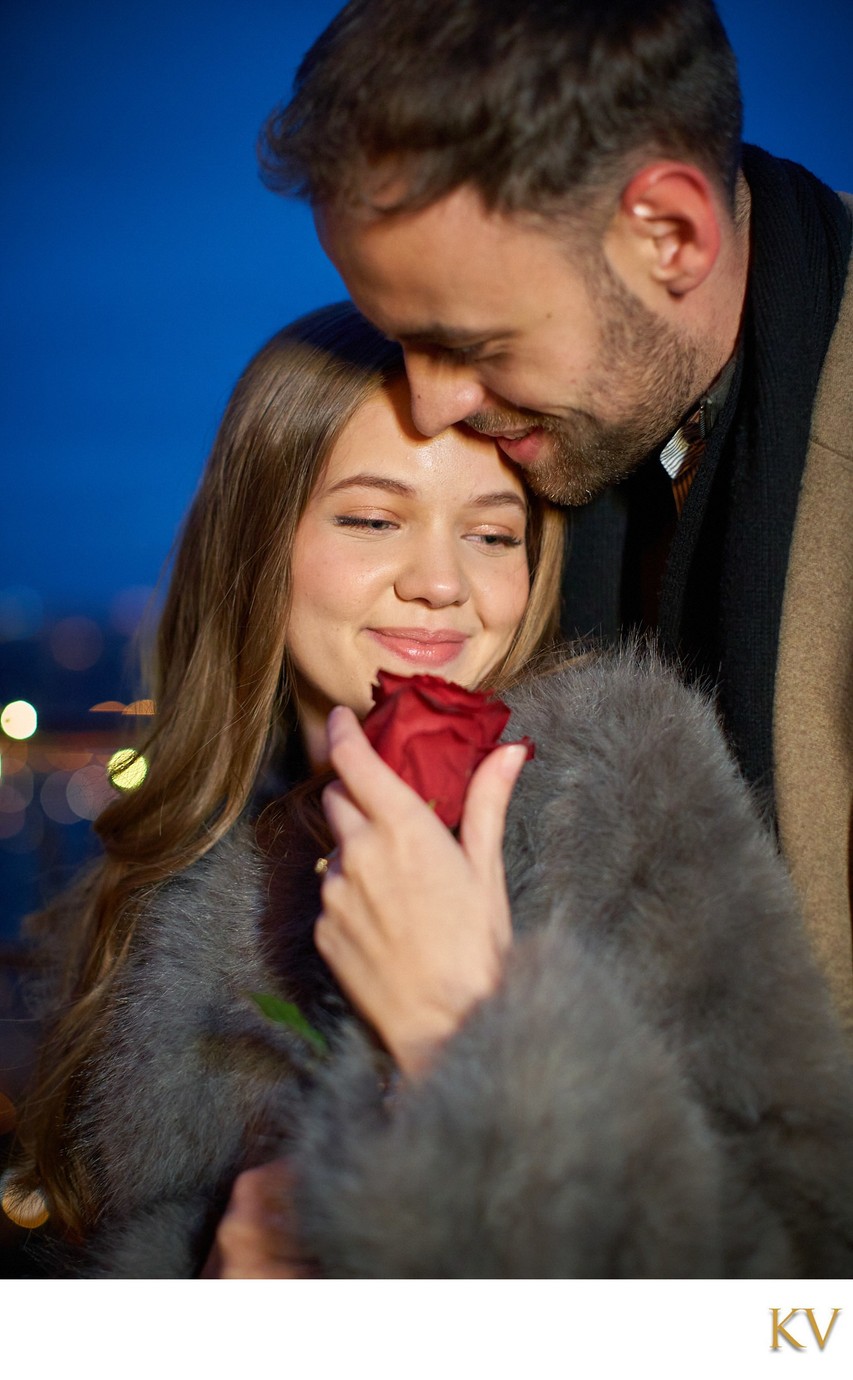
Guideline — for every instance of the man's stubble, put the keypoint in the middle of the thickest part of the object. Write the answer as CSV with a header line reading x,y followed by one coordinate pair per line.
x,y
641,358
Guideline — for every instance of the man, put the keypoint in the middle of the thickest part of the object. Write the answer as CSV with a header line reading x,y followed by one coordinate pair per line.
x,y
549,206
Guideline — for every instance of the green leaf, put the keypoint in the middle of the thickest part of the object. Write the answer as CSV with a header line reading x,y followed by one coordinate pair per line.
x,y
287,1013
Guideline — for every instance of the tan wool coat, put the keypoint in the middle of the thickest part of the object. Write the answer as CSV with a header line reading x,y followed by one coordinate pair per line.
x,y
813,722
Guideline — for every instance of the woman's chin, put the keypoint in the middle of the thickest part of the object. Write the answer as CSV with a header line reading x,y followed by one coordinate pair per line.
x,y
397,668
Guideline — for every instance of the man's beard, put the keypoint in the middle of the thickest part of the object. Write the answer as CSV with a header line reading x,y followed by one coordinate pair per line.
x,y
640,358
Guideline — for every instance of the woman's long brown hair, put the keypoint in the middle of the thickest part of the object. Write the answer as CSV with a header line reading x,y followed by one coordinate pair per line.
x,y
223,696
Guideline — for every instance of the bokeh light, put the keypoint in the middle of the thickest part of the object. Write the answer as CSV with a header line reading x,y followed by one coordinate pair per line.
x,y
19,720
127,769
24,1209
141,708
26,831
14,759
53,798
67,758
11,823
89,791
16,791
76,643
17,784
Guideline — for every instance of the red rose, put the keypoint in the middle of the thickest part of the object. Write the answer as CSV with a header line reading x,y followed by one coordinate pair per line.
x,y
435,734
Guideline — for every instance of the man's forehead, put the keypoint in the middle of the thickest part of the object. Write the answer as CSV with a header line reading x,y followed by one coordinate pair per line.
x,y
411,297
450,275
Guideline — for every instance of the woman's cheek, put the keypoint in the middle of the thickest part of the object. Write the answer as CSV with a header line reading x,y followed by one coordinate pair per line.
x,y
510,596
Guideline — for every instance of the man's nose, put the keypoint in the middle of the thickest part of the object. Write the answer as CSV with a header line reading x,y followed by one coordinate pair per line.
x,y
442,392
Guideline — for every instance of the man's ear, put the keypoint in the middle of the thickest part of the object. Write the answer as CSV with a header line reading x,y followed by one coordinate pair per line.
x,y
666,229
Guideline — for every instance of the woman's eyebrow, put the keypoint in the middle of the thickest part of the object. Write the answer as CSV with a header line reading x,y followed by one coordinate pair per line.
x,y
502,499
374,481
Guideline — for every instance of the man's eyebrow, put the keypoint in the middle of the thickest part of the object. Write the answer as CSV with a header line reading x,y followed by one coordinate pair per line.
x,y
374,481
446,337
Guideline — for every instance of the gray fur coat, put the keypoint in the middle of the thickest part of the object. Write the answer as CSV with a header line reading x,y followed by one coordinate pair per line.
x,y
658,1088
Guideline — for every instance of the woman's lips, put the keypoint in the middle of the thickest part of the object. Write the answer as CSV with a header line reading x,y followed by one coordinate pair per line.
x,y
419,647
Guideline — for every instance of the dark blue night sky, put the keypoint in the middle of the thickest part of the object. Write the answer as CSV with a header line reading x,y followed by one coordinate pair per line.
x,y
144,261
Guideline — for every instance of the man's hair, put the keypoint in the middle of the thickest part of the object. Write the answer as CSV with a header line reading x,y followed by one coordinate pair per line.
x,y
526,100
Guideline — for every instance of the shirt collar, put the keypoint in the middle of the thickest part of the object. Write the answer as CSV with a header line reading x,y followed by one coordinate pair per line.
x,y
700,421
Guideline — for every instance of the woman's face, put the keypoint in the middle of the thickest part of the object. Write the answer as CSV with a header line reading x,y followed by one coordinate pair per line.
x,y
410,557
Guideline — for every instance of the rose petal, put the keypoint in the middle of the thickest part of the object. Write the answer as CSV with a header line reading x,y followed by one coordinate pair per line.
x,y
434,734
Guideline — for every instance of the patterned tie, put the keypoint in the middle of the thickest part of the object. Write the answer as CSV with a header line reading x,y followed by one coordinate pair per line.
x,y
680,457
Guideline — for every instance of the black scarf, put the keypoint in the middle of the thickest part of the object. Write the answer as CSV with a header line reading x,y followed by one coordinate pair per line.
x,y
722,591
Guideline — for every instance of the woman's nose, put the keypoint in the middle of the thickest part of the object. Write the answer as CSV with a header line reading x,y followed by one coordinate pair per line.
x,y
433,573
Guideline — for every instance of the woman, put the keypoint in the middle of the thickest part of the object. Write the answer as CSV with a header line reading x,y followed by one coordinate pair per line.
x,y
324,533
642,1077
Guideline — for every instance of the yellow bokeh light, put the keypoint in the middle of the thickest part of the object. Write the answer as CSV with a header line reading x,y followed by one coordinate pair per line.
x,y
24,1209
19,720
127,769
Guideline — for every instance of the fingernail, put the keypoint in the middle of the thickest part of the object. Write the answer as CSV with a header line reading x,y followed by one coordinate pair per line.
x,y
514,757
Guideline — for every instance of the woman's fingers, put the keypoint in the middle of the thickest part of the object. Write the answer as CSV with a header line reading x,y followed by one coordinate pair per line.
x,y
414,927
256,1238
484,816
343,815
371,783
370,793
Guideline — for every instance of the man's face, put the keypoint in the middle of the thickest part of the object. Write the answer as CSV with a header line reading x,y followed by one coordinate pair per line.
x,y
503,327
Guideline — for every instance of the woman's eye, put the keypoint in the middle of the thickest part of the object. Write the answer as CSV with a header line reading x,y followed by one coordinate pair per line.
x,y
496,539
365,524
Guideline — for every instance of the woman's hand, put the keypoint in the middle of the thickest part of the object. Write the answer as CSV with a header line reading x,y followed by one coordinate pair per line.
x,y
256,1238
415,926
